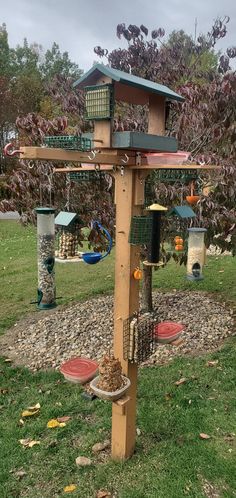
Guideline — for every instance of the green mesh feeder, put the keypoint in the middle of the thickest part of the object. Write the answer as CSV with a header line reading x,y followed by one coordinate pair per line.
x,y
140,230
69,142
85,176
99,102
176,175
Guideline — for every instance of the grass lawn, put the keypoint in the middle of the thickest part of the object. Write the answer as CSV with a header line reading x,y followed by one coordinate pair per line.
x,y
171,460
18,270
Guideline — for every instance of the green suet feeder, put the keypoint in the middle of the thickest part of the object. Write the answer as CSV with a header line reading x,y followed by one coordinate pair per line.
x,y
68,142
140,230
99,102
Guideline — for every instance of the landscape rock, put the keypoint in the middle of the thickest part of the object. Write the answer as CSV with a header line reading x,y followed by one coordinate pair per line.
x,y
49,338
101,446
83,461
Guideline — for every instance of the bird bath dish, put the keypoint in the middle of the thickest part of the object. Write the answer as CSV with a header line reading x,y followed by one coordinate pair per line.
x,y
107,395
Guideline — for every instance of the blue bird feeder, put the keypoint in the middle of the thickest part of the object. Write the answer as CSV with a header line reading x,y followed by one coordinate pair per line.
x,y
91,258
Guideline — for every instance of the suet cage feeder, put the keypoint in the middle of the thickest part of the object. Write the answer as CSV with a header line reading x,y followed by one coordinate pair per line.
x,y
46,257
99,102
140,230
69,142
67,237
196,253
139,337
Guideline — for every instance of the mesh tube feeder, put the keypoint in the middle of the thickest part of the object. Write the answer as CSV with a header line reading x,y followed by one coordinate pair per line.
x,y
46,257
156,211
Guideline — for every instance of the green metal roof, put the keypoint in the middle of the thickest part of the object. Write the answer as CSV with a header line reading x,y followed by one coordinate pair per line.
x,y
64,218
128,79
182,212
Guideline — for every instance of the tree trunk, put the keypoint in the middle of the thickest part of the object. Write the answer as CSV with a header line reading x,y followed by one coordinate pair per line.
x,y
147,289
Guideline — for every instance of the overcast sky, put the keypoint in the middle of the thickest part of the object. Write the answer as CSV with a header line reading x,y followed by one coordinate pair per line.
x,y
78,25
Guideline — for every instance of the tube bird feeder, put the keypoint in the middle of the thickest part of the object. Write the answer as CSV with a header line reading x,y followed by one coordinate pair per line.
x,y
46,257
196,253
154,246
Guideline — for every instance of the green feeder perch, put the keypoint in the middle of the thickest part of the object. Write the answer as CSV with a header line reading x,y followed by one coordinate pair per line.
x,y
68,142
140,230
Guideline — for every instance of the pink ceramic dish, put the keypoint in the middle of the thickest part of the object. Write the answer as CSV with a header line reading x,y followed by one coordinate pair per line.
x,y
79,370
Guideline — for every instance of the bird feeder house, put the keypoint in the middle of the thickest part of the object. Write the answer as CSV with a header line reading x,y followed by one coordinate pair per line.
x,y
196,253
46,257
68,226
178,229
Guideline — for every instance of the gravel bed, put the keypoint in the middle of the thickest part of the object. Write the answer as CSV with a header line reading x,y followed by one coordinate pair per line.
x,y
85,329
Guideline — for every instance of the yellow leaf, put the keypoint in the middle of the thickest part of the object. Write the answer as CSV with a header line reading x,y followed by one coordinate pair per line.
x,y
28,413
53,423
62,424
70,488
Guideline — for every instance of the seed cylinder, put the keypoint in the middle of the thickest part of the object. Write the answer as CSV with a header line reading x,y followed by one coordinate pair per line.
x,y
196,253
46,258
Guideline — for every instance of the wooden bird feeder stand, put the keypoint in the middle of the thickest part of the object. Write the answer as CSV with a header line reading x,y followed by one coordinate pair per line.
x,y
125,155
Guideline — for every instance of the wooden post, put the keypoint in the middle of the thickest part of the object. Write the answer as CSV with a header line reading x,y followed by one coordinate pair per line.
x,y
126,303
156,115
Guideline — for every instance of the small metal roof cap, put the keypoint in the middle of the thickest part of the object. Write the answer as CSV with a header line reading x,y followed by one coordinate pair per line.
x,y
197,229
44,210
64,218
182,212
156,207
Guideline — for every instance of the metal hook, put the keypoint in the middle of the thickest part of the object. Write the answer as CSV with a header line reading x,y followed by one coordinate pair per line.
x,y
97,167
30,164
93,155
9,153
125,160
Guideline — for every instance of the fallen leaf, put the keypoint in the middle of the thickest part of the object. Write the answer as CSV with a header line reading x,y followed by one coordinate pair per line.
x,y
29,413
102,493
180,381
101,446
70,488
63,419
7,360
3,391
168,396
221,271
212,363
54,423
83,461
21,422
204,436
20,473
138,432
35,407
28,443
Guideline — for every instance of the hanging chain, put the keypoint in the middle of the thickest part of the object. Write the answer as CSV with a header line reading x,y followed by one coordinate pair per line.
x,y
68,187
